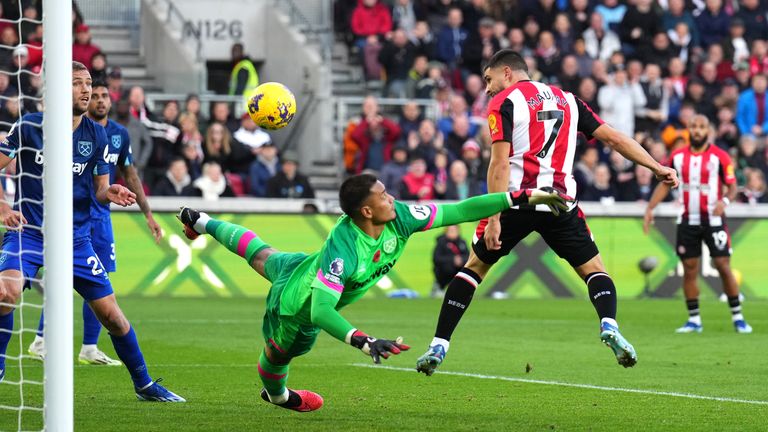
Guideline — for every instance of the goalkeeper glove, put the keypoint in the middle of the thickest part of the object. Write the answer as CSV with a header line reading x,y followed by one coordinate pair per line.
x,y
376,348
548,196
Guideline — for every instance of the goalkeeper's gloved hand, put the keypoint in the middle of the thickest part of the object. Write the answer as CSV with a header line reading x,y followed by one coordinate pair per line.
x,y
376,348
553,199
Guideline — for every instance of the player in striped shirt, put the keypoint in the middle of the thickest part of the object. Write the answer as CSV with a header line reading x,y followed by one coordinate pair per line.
x,y
708,186
308,291
534,130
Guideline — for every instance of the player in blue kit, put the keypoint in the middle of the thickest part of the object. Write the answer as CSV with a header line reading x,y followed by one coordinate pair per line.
x,y
118,157
23,244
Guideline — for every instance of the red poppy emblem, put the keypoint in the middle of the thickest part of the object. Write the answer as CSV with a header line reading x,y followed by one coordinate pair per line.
x,y
377,256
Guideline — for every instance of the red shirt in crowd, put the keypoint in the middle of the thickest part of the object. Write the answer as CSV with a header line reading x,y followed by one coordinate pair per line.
x,y
367,21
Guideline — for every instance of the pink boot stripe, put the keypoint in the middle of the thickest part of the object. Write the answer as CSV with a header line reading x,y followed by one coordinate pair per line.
x,y
242,245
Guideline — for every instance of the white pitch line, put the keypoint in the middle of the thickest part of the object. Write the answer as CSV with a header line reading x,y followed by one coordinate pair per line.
x,y
575,385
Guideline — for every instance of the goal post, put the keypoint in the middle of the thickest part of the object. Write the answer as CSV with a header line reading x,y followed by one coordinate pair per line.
x,y
57,229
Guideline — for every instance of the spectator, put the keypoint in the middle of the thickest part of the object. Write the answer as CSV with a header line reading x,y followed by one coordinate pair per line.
x,y
599,42
712,85
212,185
696,95
712,24
425,142
472,157
749,157
370,55
440,172
394,170
9,39
405,15
449,256
417,184
460,186
564,35
35,46
20,61
171,113
611,13
220,114
682,41
585,61
418,72
678,129
619,102
479,46
9,114
587,92
99,67
677,14
428,86
735,47
500,30
351,150
6,88
754,191
192,106
642,187
752,16
660,51
190,145
266,166
517,42
370,18
250,135
584,171
727,133
578,15
34,90
639,25
758,61
83,49
622,175
176,181
115,84
396,57
568,78
243,79
289,182
458,136
475,96
423,40
139,108
457,108
375,136
451,38
602,189
141,141
654,114
723,67
752,108
410,119
218,146
547,56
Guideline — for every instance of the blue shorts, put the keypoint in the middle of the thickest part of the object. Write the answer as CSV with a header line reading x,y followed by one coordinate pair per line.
x,y
104,242
90,278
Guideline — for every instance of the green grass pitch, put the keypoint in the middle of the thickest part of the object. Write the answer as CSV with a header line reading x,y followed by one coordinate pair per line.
x,y
206,349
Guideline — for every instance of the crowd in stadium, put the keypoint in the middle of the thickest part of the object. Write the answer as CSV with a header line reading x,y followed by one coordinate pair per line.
x,y
645,67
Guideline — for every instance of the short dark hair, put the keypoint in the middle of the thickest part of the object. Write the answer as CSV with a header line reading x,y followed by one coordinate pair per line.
x,y
77,66
354,191
99,83
507,57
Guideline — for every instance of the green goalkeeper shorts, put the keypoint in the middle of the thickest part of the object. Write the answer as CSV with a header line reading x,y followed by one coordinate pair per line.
x,y
281,333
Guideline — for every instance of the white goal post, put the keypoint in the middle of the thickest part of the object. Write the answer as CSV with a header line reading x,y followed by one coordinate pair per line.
x,y
57,226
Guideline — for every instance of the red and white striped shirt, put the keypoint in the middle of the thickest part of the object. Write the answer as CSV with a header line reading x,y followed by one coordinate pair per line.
x,y
542,123
702,176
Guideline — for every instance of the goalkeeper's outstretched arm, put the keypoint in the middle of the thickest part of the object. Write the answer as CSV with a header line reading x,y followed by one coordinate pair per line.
x,y
325,316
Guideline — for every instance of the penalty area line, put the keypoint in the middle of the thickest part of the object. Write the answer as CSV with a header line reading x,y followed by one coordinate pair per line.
x,y
573,385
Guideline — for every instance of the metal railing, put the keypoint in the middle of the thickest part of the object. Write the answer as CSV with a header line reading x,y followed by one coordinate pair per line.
x,y
118,13
314,18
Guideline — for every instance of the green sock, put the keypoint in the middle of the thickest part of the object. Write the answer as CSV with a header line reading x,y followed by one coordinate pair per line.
x,y
274,378
236,238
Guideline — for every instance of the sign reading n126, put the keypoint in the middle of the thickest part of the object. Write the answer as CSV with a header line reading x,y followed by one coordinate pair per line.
x,y
216,29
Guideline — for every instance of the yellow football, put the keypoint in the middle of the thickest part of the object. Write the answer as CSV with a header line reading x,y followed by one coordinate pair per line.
x,y
271,105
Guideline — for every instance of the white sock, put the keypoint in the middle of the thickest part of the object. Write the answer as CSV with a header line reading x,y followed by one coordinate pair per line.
x,y
39,339
736,317
695,319
440,341
201,222
281,399
610,321
88,348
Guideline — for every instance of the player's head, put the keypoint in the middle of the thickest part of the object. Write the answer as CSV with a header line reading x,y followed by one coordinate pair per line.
x,y
504,69
699,130
81,88
98,108
363,197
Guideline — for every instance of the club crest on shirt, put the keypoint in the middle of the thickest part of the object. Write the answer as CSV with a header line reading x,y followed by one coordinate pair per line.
x,y
85,148
117,141
492,123
389,245
337,267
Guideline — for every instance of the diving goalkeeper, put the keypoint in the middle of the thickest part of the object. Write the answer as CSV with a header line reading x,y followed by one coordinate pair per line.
x,y
308,290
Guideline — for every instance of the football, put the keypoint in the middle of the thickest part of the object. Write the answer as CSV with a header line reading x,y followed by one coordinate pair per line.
x,y
271,105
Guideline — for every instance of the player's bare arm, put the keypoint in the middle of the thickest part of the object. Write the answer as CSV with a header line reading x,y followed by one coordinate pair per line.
x,y
11,219
661,192
729,194
133,182
633,151
498,181
115,193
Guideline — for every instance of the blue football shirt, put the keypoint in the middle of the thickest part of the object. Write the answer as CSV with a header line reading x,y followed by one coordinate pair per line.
x,y
89,149
118,154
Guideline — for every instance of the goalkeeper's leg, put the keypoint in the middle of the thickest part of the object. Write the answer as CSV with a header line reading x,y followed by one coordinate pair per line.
x,y
457,298
237,239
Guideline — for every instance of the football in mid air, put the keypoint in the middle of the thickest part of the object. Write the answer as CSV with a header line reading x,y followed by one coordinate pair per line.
x,y
271,105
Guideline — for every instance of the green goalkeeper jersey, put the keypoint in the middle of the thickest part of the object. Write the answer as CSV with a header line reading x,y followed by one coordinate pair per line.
x,y
351,262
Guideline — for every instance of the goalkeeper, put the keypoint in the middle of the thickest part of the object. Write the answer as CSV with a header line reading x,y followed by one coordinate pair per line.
x,y
308,290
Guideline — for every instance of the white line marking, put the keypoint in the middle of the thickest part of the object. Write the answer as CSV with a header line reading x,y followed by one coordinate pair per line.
x,y
583,386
